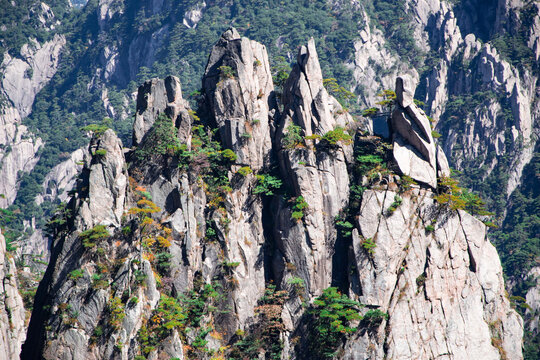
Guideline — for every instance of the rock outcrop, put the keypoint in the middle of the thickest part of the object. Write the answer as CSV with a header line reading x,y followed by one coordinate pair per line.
x,y
318,176
12,312
18,153
239,94
442,289
161,96
24,77
415,151
177,252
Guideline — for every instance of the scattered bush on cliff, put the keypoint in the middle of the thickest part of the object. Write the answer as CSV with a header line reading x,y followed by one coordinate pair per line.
x,y
92,236
331,317
338,135
299,207
267,184
162,139
374,318
169,315
226,72
264,335
292,137
342,95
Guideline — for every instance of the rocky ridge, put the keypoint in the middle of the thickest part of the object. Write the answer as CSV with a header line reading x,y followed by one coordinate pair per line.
x,y
106,287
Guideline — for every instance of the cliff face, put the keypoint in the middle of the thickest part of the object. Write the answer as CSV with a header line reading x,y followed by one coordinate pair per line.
x,y
441,286
22,79
12,312
224,228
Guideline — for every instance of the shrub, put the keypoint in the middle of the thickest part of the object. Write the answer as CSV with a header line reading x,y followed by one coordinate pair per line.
x,y
342,95
331,315
292,137
435,134
298,285
98,282
397,202
369,245
368,162
229,155
374,318
91,236
98,129
405,183
372,111
337,135
116,312
245,171
161,139
345,227
133,301
450,193
267,184
299,207
100,152
226,72
76,274
230,265
430,228
421,280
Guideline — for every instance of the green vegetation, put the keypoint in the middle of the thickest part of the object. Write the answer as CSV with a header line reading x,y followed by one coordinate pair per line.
x,y
345,227
369,245
393,207
518,240
265,334
229,155
76,274
330,319
226,72
455,197
245,171
338,135
373,318
512,45
116,312
98,129
267,184
299,207
292,137
167,316
162,139
92,236
342,95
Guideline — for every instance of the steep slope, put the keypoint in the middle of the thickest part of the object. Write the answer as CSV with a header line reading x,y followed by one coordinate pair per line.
x,y
192,246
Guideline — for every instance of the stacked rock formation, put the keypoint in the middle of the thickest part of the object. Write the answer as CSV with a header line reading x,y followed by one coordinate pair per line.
x,y
415,151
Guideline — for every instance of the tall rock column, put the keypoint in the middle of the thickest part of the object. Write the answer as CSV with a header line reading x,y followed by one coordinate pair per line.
x,y
239,96
239,100
315,170
12,313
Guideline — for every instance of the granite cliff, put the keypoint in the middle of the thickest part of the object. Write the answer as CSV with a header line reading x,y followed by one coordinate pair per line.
x,y
222,232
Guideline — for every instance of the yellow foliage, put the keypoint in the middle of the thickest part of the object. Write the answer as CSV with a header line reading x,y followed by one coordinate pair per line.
x,y
163,242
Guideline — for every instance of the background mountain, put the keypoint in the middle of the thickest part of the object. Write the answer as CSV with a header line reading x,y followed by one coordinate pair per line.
x,y
66,66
